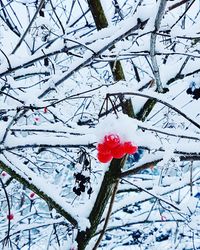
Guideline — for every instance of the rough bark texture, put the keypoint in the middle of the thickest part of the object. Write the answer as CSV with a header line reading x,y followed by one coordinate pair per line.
x,y
146,109
106,189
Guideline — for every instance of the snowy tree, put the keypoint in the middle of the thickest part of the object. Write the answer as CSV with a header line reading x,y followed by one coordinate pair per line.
x,y
99,118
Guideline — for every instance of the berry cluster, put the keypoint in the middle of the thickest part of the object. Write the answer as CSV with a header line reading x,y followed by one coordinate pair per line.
x,y
81,181
82,176
113,147
4,118
193,91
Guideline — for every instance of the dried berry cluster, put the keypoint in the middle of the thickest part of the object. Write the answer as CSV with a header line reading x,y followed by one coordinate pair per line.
x,y
194,91
82,178
81,183
113,147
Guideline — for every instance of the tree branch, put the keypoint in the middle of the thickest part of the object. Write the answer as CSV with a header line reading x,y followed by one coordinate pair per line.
x,y
30,185
155,67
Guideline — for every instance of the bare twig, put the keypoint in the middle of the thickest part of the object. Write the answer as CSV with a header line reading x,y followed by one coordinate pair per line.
x,y
107,216
158,19
196,124
27,29
154,195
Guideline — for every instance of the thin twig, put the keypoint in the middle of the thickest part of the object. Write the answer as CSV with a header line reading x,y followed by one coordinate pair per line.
x,y
196,124
107,216
155,67
27,29
9,209
154,195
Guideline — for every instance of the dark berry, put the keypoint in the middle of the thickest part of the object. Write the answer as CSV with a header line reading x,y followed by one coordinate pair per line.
x,y
82,187
108,237
127,210
86,162
136,234
195,97
5,118
77,191
79,177
85,179
89,191
197,195
162,237
189,91
136,156
196,94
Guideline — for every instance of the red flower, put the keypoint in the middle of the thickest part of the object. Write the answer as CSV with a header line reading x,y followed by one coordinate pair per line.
x,y
129,148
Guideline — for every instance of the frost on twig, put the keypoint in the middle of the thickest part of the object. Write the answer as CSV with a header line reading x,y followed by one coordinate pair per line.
x,y
159,15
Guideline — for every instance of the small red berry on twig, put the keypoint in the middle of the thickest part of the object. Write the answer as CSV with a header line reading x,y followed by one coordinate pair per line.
x,y
10,216
32,195
3,173
45,110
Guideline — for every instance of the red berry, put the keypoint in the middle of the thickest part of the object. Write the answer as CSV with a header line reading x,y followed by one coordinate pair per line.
x,y
3,173
104,157
151,167
130,148
111,140
163,217
45,109
118,152
102,147
32,195
10,216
